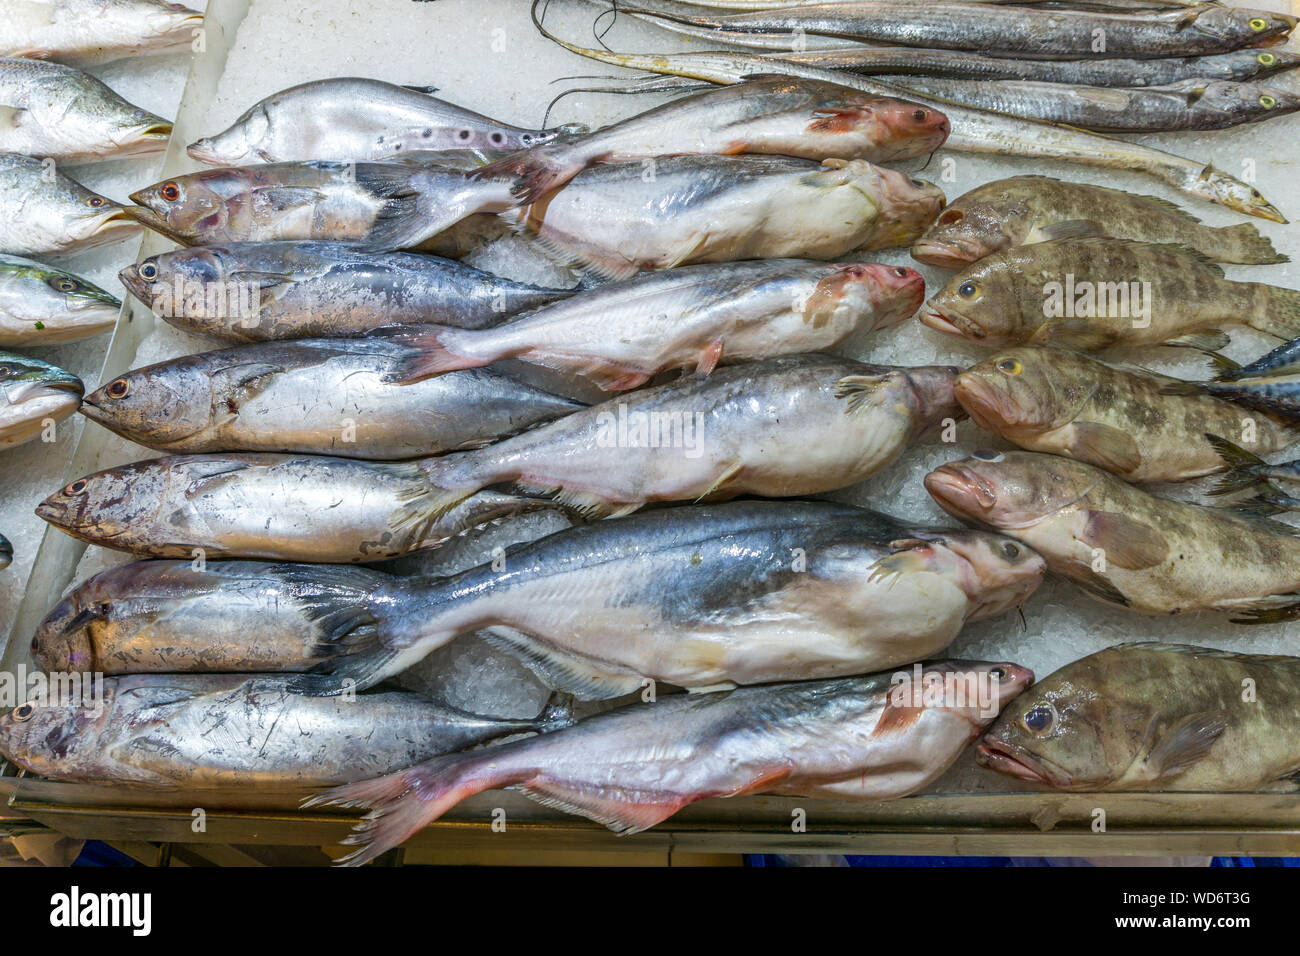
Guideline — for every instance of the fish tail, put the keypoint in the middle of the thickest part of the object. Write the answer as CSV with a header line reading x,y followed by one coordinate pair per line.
x,y
401,804
401,222
535,172
449,480
1247,245
432,352
1279,313
1243,467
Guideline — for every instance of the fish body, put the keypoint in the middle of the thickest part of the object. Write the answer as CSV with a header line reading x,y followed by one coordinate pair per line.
x,y
1191,104
636,766
43,212
1151,716
779,115
1024,210
354,119
1124,545
83,32
381,206
208,732
41,305
321,289
781,427
615,219
33,396
1095,293
622,334
705,596
56,111
230,616
1122,420
317,396
275,507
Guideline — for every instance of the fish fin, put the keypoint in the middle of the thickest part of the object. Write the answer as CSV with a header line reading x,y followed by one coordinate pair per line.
x,y
409,214
1071,229
1208,341
1255,247
721,482
591,266
429,354
403,803
1098,586
1281,318
1127,543
1106,446
1177,387
1079,334
428,90
611,379
1187,742
830,120
1241,466
356,672
859,390
610,807
709,358
535,172
283,198
1221,365
896,718
718,688
150,759
563,669
1274,609
340,600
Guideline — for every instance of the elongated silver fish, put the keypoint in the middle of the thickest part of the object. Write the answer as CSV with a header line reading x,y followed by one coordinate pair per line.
x,y
622,334
1181,105
318,396
783,115
33,395
973,130
41,305
870,738
277,507
208,732
56,111
263,291
706,596
82,32
780,427
353,119
615,219
42,211
381,206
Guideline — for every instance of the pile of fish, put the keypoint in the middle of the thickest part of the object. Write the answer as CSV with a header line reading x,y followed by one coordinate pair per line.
x,y
371,397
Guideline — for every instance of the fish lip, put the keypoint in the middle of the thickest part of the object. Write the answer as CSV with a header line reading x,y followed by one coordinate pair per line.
x,y
941,255
134,283
205,151
955,489
152,135
977,396
1011,761
114,221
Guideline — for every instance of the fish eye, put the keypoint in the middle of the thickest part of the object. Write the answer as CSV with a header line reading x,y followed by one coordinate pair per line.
x,y
902,272
919,183
76,488
1266,58
137,114
1258,23
920,116
968,289
23,712
1039,720
986,454
997,673
119,388
1267,102
1011,550
1011,366
95,201
148,271
170,191
63,284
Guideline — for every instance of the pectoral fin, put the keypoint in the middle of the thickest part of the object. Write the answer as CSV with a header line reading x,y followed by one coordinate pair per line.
x,y
1186,742
1126,542
1106,447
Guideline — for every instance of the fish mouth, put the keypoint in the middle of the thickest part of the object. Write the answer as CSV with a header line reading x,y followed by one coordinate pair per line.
x,y
961,492
144,216
1011,761
953,256
989,407
951,323
205,151
146,138
113,226
135,284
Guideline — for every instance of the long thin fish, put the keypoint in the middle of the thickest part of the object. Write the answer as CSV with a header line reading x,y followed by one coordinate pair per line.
x,y
973,130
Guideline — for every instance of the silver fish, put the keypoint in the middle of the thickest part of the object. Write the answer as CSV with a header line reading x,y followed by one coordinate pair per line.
x,y
353,119
33,394
41,305
82,32
382,206
779,427
277,507
212,732
320,289
867,738
705,596
56,111
614,219
318,396
44,212
622,334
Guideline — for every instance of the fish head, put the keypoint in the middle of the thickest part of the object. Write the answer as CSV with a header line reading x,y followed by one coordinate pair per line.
x,y
76,302
83,219
110,503
1256,27
247,140
975,691
45,736
915,128
977,305
173,23
1247,99
137,132
165,282
188,207
157,405
63,640
1010,490
35,390
966,232
909,205
1277,60
996,572
888,293
1023,391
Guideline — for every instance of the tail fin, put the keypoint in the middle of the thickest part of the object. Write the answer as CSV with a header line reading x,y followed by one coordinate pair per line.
x,y
431,354
341,601
535,172
1250,247
1242,467
401,804
1281,314
420,202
